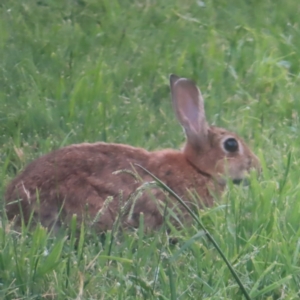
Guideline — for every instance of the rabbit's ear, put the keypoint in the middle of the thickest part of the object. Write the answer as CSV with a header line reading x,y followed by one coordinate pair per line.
x,y
189,107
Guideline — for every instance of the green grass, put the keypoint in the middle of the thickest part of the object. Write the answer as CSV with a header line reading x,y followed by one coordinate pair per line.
x,y
90,70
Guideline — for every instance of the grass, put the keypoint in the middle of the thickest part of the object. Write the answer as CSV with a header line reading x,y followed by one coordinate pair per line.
x,y
89,70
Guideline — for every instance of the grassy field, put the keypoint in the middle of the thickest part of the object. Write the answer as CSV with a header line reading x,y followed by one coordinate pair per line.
x,y
91,70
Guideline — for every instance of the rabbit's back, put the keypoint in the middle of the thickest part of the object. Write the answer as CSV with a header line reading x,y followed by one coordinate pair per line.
x,y
80,178
73,177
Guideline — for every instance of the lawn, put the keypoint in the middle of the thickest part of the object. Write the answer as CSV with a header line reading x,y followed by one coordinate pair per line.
x,y
98,70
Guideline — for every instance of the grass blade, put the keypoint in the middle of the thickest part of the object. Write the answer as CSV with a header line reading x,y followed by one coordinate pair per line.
x,y
172,283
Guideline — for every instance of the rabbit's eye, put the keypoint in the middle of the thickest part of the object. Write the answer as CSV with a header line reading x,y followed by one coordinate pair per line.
x,y
231,145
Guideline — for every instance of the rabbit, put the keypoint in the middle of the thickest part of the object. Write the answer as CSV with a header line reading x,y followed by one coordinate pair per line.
x,y
81,179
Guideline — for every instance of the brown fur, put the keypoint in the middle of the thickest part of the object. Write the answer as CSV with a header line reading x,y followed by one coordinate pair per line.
x,y
78,179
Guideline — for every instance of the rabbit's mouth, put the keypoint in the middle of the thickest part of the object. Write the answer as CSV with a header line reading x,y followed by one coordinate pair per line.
x,y
237,181
244,181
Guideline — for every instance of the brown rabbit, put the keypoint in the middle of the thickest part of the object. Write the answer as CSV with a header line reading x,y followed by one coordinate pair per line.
x,y
81,179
